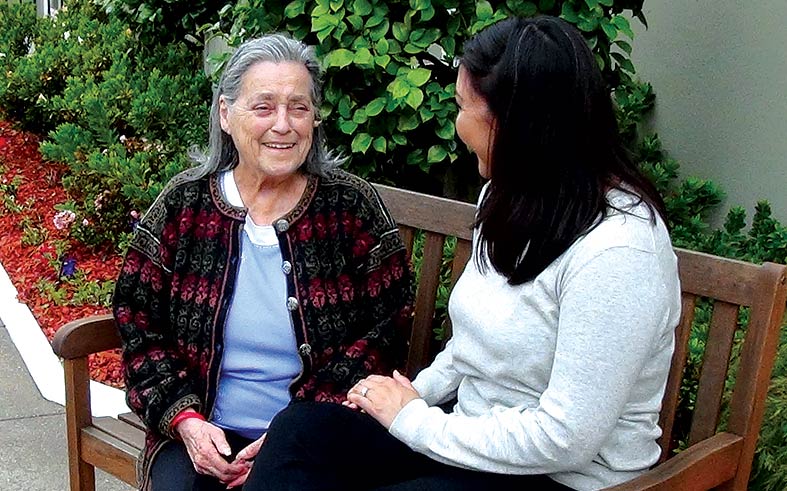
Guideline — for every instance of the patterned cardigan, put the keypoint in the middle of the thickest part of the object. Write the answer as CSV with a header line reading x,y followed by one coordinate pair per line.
x,y
350,293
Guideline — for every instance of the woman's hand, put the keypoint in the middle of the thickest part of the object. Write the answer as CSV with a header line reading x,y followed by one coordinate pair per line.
x,y
207,446
382,397
246,457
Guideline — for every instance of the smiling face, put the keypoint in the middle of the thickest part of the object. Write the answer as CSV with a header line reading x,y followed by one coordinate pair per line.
x,y
272,122
474,122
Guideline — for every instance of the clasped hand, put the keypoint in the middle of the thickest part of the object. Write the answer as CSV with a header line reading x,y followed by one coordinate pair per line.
x,y
207,447
382,397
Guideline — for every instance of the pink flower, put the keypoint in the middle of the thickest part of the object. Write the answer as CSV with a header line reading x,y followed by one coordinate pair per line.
x,y
85,222
134,214
64,219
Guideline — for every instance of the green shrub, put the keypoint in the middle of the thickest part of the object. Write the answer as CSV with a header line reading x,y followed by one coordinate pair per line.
x,y
165,21
19,29
389,82
121,114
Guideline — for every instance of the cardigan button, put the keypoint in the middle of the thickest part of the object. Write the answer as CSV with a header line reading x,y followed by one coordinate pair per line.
x,y
286,266
292,303
282,225
305,349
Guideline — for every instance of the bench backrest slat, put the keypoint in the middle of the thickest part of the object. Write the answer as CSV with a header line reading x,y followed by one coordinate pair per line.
x,y
437,218
669,404
714,371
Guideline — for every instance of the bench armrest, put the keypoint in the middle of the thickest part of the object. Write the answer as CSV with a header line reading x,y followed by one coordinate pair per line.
x,y
86,336
702,466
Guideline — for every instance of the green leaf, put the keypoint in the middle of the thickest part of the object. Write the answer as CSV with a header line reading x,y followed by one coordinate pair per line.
x,y
375,20
379,32
600,62
348,127
626,47
446,130
425,114
399,139
418,76
361,42
382,61
324,22
401,32
362,7
399,88
591,3
376,106
336,4
436,154
587,24
361,143
414,98
546,5
380,144
623,62
427,14
483,10
453,25
320,9
568,13
412,49
363,57
407,122
294,8
623,25
609,29
606,3
449,46
418,5
345,107
356,21
381,47
339,58
360,116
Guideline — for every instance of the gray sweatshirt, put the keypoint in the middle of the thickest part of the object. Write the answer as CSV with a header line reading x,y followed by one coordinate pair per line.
x,y
562,375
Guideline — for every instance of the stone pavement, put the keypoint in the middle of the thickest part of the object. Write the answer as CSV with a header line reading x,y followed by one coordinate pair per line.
x,y
33,452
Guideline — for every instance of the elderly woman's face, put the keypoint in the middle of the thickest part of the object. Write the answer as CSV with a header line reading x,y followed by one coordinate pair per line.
x,y
273,119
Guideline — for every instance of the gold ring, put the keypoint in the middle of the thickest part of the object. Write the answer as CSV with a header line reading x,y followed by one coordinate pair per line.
x,y
364,391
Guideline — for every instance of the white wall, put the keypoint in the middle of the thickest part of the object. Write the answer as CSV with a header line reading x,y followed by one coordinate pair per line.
x,y
47,7
719,70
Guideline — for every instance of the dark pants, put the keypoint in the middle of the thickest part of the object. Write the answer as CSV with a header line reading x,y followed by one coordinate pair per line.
x,y
172,469
313,446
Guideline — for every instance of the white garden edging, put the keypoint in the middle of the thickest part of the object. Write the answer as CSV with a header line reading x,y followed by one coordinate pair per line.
x,y
42,363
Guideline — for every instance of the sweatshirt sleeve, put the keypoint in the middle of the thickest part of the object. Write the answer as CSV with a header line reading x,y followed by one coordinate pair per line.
x,y
612,308
438,382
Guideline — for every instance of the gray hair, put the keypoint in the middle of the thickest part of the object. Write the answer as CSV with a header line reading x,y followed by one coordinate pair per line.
x,y
277,48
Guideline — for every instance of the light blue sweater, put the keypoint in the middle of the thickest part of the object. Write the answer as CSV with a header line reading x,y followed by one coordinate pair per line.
x,y
260,357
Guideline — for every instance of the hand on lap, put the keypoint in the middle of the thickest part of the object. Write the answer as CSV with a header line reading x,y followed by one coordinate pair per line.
x,y
246,457
207,447
382,397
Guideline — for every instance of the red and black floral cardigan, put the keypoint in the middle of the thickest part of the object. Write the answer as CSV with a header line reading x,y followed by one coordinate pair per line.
x,y
349,287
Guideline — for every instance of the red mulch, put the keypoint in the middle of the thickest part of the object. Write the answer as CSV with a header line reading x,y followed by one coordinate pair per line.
x,y
25,264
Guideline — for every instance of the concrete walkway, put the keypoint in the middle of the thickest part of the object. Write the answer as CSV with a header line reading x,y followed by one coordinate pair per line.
x,y
33,455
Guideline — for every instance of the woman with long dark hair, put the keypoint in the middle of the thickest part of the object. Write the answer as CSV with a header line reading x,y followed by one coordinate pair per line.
x,y
563,321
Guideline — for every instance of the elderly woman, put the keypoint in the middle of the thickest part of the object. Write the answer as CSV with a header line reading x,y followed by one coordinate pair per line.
x,y
563,321
261,276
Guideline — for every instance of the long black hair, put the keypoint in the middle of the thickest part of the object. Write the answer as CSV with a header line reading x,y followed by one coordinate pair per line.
x,y
555,149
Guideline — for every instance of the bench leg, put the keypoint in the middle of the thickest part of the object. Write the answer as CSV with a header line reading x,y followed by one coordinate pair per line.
x,y
80,473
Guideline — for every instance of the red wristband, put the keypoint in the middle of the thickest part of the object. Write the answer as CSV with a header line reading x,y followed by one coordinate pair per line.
x,y
185,414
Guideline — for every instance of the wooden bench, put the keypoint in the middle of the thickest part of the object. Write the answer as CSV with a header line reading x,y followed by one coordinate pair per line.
x,y
714,458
